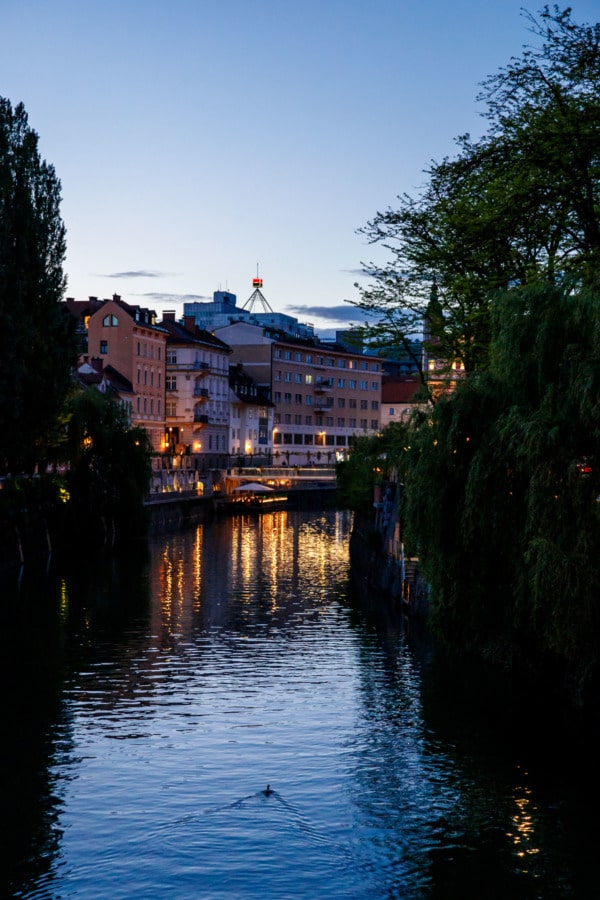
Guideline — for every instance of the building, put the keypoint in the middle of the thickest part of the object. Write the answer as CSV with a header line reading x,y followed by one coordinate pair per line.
x,y
93,373
223,310
197,393
324,395
400,395
128,339
250,419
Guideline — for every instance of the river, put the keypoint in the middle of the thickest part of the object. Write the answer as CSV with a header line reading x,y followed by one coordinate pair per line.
x,y
149,700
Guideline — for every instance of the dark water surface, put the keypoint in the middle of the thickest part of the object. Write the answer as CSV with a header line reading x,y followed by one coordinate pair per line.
x,y
148,703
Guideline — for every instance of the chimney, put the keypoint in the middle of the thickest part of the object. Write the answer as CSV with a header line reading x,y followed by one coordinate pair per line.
x,y
189,323
168,315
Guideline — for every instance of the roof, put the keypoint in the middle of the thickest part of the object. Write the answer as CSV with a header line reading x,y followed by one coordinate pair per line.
x,y
399,389
178,334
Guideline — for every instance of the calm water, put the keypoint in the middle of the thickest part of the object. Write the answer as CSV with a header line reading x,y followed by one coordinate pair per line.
x,y
148,705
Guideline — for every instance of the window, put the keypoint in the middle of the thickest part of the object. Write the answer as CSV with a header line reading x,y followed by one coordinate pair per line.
x,y
277,375
110,320
277,396
171,408
391,411
308,379
375,404
352,384
288,376
374,367
363,424
139,375
138,348
374,385
341,382
374,424
364,404
171,357
309,357
341,402
103,346
297,420
352,402
298,357
363,366
298,398
298,377
364,385
171,383
287,420
330,361
277,354
308,400
287,354
341,363
352,423
287,398
308,420
341,422
145,376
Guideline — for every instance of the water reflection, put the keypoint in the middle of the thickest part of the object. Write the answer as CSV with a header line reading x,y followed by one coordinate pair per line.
x,y
151,699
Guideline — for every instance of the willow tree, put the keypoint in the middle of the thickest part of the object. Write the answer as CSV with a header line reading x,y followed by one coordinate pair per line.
x,y
502,488
519,205
36,342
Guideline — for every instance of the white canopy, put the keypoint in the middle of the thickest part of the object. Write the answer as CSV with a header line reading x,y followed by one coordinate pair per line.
x,y
254,487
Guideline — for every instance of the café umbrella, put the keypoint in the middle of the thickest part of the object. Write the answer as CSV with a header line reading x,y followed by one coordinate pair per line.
x,y
254,487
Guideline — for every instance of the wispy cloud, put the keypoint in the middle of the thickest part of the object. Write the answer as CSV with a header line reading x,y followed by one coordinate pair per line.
x,y
135,273
159,297
343,313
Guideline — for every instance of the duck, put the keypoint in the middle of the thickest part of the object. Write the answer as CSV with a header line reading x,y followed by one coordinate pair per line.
x,y
268,791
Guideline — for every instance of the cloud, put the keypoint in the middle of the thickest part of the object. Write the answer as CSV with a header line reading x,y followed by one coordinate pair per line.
x,y
159,297
135,273
357,273
344,313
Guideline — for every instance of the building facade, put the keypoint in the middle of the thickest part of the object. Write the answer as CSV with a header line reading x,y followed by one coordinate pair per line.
x,y
128,339
250,420
324,395
197,393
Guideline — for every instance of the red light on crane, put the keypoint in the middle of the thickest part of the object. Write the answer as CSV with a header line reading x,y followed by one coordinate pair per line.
x,y
257,282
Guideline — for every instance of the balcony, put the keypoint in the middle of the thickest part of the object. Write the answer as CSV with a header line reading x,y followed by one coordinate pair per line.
x,y
201,393
200,418
323,384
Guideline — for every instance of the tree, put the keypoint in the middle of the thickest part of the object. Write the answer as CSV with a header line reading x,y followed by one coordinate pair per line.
x,y
109,468
519,205
36,339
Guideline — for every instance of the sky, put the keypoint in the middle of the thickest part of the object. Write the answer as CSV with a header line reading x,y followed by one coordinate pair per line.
x,y
202,143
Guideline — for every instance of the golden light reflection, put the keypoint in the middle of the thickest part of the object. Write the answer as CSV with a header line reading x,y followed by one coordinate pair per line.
x,y
522,832
63,601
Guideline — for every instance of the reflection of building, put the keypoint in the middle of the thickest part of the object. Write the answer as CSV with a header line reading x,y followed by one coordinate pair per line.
x,y
197,391
251,417
324,394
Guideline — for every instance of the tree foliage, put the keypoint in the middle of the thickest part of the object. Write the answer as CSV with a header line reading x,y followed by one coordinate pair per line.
x,y
519,205
109,469
502,487
36,340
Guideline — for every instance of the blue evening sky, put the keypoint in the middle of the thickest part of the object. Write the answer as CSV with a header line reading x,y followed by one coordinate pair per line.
x,y
197,139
